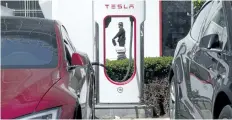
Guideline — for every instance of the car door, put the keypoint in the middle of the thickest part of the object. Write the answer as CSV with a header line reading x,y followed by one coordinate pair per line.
x,y
80,77
87,95
186,95
203,67
74,80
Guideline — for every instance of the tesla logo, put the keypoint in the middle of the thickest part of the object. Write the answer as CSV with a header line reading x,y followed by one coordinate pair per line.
x,y
119,6
120,89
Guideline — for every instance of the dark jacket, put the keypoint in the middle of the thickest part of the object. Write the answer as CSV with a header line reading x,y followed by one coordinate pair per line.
x,y
121,36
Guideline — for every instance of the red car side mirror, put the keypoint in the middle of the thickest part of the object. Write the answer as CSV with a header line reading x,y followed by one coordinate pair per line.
x,y
77,60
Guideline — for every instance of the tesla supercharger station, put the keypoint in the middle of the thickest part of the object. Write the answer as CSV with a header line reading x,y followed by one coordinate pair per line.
x,y
107,14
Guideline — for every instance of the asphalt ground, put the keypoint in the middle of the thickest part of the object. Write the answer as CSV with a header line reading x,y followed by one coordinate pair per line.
x,y
126,114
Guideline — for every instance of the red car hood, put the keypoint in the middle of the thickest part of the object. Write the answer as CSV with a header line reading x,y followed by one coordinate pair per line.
x,y
22,89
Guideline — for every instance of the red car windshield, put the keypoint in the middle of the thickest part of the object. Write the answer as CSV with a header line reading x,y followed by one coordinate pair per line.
x,y
27,48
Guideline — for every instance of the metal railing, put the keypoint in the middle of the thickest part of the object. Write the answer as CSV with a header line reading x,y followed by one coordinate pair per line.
x,y
26,8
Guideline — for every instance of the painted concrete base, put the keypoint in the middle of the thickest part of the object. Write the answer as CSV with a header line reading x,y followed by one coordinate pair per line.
x,y
140,114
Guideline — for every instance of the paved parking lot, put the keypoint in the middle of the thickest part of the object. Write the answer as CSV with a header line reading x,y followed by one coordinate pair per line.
x,y
125,114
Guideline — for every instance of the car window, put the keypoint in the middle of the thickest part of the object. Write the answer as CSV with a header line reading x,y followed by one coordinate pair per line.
x,y
68,53
217,23
68,48
217,26
64,34
28,50
67,38
219,18
196,28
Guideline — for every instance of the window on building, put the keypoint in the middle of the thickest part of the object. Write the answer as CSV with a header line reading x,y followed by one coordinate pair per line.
x,y
175,24
24,8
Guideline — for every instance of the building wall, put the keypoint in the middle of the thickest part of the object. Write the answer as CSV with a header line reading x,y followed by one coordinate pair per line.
x,y
175,24
6,11
46,5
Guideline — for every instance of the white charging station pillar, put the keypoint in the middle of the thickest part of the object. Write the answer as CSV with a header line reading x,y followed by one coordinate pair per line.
x,y
109,13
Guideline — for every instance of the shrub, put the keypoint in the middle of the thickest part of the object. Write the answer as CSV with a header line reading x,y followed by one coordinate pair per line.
x,y
156,67
156,96
153,67
117,69
197,5
156,92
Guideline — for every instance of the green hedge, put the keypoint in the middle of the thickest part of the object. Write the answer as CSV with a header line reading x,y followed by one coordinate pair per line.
x,y
153,67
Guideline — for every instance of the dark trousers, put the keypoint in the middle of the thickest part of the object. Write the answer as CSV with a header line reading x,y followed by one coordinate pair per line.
x,y
121,42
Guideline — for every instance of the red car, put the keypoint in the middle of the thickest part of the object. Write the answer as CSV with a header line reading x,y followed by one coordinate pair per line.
x,y
42,74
